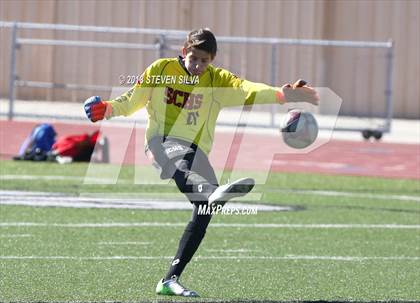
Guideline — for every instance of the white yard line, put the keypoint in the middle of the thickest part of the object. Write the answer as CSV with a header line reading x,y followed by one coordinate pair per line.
x,y
40,199
64,178
241,250
329,193
44,199
289,257
15,235
40,177
124,243
218,225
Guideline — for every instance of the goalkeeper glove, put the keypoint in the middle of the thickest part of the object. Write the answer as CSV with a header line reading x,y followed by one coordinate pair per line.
x,y
96,109
299,92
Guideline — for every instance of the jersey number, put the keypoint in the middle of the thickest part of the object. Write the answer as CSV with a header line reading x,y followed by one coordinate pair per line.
x,y
192,118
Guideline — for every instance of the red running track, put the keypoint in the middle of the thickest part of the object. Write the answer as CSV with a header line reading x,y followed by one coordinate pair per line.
x,y
335,157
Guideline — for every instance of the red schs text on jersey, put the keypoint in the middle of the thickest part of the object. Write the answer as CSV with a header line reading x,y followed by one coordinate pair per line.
x,y
182,99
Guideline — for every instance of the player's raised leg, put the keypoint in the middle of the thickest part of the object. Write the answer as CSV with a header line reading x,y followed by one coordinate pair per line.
x,y
224,193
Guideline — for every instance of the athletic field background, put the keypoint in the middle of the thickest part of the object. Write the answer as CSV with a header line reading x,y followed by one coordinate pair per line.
x,y
335,235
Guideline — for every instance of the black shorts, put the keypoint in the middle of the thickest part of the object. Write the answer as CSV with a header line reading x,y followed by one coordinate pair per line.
x,y
168,151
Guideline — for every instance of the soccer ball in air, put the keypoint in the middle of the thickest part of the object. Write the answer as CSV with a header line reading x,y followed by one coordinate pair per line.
x,y
299,129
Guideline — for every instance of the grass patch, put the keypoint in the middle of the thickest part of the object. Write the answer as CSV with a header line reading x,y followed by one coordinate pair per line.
x,y
235,264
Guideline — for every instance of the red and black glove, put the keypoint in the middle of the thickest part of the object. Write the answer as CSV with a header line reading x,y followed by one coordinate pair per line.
x,y
96,109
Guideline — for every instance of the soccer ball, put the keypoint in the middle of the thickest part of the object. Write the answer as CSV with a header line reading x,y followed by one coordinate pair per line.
x,y
299,129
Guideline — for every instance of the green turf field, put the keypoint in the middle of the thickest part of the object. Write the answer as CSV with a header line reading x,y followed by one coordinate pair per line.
x,y
348,239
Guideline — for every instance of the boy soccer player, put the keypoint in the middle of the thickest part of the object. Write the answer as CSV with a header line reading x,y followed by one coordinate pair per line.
x,y
183,97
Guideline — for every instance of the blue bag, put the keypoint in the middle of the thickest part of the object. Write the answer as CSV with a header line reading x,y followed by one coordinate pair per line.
x,y
38,143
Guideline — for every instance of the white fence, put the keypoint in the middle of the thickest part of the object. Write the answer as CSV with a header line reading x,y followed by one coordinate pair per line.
x,y
169,40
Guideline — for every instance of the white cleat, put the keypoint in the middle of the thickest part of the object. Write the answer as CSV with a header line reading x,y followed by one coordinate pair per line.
x,y
172,287
224,193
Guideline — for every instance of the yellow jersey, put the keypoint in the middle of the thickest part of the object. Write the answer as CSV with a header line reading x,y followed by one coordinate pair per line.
x,y
184,106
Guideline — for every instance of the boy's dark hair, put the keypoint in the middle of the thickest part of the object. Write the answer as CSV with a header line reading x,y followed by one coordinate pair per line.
x,y
202,39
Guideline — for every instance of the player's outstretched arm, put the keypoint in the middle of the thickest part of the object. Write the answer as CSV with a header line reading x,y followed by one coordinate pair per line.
x,y
247,92
96,109
298,92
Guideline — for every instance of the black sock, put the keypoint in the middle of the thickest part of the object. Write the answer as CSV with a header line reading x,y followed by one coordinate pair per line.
x,y
189,243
